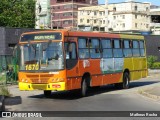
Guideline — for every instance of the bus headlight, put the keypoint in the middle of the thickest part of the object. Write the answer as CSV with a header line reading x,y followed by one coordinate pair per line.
x,y
25,80
58,80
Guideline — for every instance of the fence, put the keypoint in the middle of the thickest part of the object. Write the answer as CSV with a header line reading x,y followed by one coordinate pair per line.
x,y
8,69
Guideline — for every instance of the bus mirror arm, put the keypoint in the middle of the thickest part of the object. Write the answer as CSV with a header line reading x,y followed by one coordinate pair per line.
x,y
15,49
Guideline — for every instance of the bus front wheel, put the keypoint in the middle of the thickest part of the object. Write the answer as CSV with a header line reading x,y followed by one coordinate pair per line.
x,y
84,88
47,93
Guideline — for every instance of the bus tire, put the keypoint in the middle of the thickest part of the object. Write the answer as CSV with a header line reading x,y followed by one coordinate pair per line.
x,y
126,80
84,88
47,93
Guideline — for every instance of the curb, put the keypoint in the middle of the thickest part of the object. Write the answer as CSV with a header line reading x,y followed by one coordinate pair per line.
x,y
142,92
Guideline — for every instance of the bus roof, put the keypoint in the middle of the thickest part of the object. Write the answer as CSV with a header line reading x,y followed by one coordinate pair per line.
x,y
91,34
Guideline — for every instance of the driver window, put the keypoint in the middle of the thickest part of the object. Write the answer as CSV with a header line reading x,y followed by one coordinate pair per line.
x,y
70,49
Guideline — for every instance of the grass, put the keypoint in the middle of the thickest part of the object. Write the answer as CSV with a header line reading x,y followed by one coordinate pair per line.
x,y
2,78
4,91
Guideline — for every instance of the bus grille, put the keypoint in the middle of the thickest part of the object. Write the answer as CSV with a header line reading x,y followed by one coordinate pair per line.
x,y
41,78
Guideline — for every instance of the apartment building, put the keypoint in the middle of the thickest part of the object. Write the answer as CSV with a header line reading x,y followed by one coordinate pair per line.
x,y
155,20
64,13
42,14
121,17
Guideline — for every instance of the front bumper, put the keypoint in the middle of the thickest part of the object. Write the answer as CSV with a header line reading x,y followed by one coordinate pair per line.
x,y
60,86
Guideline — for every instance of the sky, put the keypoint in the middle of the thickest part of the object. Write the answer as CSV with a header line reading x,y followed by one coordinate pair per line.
x,y
153,2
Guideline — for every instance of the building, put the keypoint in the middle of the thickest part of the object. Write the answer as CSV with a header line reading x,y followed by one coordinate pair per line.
x,y
128,16
64,13
153,45
42,14
9,38
155,20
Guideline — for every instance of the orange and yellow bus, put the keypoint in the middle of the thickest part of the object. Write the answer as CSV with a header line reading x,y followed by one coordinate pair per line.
x,y
62,60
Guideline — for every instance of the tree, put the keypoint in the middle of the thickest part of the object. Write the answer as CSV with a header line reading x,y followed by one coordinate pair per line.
x,y
17,13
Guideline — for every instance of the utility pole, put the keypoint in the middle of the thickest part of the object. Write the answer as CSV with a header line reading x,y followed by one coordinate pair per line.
x,y
51,17
106,15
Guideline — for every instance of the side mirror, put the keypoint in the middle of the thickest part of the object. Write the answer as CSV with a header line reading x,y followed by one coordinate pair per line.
x,y
16,50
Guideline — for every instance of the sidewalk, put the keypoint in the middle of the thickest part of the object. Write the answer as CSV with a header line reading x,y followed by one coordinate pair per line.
x,y
152,91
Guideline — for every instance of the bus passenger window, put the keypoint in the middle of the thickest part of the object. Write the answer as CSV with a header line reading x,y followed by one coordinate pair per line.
x,y
117,51
142,50
126,49
107,48
95,48
136,52
83,48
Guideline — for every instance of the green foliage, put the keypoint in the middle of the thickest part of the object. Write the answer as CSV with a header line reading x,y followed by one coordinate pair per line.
x,y
17,13
4,91
156,65
151,60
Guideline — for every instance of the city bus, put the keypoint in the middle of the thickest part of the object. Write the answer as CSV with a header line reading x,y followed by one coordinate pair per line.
x,y
64,60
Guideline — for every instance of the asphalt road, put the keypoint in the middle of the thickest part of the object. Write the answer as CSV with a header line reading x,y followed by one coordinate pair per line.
x,y
105,98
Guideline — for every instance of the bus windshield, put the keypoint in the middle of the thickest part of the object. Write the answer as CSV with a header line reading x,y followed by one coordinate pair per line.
x,y
42,56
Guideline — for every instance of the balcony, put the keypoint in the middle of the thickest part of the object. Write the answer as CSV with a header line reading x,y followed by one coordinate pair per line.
x,y
131,12
155,25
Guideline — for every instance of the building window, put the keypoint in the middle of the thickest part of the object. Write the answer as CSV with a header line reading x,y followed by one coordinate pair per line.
x,y
100,13
103,21
95,13
88,12
123,25
147,8
114,17
87,20
147,26
135,16
67,7
95,21
135,8
81,20
114,9
123,16
136,25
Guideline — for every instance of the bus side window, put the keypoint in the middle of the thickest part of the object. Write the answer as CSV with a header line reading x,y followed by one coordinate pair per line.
x,y
117,50
70,49
127,51
107,48
136,51
83,48
142,50
95,48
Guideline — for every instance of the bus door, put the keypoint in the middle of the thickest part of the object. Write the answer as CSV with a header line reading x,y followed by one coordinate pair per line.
x,y
72,70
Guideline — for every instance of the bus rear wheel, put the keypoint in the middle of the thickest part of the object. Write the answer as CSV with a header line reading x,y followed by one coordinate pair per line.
x,y
126,80
47,93
125,83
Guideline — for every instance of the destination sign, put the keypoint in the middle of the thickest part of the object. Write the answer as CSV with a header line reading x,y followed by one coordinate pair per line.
x,y
44,37
41,36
